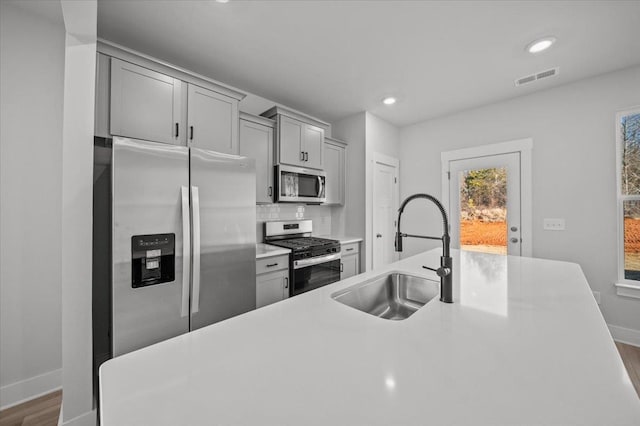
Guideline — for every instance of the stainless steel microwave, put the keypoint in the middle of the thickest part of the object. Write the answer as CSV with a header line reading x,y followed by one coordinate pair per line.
x,y
300,185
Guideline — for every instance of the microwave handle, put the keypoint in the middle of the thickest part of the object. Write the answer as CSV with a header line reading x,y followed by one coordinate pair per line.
x,y
320,186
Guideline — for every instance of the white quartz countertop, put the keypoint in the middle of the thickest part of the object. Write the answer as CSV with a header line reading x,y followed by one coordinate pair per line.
x,y
344,239
523,343
267,250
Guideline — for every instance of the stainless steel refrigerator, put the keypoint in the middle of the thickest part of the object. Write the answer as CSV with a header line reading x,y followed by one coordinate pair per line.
x,y
183,240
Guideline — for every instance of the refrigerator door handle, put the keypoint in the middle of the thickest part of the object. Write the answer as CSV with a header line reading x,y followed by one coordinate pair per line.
x,y
195,212
186,252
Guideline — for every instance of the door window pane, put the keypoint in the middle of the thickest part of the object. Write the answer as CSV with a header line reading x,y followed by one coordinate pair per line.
x,y
630,170
632,240
483,210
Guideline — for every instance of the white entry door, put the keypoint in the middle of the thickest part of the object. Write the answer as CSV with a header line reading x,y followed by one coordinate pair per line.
x,y
485,204
385,209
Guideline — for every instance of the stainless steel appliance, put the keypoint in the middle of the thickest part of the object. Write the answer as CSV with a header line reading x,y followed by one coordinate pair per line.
x,y
300,185
313,262
183,240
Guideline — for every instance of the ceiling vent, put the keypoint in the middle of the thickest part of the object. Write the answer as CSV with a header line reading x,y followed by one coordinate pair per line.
x,y
537,76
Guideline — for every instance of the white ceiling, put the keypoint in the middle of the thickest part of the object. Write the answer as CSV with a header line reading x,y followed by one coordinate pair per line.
x,y
335,58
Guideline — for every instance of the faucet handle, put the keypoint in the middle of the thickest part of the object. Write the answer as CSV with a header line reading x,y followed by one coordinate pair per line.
x,y
441,271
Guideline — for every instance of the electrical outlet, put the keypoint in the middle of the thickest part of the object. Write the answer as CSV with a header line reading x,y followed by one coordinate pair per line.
x,y
596,295
553,224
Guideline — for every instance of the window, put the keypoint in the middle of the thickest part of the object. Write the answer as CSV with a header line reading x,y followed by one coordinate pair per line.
x,y
628,157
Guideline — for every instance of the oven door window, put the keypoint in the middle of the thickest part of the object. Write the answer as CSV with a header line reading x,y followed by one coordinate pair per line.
x,y
302,185
312,277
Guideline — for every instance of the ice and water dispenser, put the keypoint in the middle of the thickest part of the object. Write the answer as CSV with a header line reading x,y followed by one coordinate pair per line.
x,y
152,259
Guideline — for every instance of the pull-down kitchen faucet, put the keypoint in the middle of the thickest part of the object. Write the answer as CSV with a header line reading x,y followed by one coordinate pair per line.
x,y
444,271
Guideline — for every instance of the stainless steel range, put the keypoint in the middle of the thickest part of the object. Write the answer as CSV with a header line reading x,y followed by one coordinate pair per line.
x,y
313,262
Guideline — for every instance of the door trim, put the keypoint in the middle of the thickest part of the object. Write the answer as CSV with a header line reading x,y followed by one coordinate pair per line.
x,y
391,162
522,146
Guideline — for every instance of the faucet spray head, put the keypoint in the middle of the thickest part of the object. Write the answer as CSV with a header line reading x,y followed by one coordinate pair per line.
x,y
398,242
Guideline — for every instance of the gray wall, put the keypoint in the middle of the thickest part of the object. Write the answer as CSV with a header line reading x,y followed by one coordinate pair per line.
x,y
32,74
349,219
382,138
365,135
574,171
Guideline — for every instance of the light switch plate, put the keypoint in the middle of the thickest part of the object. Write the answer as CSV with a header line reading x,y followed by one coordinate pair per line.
x,y
554,224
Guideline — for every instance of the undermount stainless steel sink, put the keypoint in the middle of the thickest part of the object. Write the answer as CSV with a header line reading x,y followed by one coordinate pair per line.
x,y
393,296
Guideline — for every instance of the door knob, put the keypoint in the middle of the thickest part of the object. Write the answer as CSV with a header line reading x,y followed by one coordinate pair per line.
x,y
514,240
378,235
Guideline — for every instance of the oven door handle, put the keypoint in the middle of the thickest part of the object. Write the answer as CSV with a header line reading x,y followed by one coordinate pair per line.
x,y
297,264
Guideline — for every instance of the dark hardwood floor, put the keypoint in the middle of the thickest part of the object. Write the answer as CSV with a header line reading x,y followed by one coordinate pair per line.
x,y
631,358
44,411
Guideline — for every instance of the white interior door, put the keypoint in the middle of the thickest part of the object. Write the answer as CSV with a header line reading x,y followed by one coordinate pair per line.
x,y
485,203
385,209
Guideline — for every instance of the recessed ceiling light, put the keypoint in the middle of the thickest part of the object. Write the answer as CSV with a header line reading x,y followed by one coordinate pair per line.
x,y
222,1
390,100
540,45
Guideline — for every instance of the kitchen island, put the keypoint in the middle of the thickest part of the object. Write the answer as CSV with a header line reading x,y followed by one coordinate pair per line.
x,y
523,343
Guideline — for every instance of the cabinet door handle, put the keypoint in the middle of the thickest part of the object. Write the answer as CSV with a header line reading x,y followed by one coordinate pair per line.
x,y
191,129
271,265
306,156
349,249
270,192
177,129
286,282
301,156
341,267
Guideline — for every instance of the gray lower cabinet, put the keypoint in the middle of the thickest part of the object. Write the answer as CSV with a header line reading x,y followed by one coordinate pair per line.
x,y
145,104
256,141
334,167
272,280
350,262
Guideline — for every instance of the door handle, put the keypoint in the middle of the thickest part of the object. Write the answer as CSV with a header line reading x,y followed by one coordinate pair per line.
x,y
341,267
177,129
286,282
191,129
320,190
195,212
270,191
306,156
514,228
186,252
301,156
514,240
378,235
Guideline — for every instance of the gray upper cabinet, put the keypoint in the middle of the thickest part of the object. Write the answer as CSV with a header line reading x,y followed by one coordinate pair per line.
x,y
103,96
313,146
145,104
299,138
212,120
291,133
334,166
141,98
256,141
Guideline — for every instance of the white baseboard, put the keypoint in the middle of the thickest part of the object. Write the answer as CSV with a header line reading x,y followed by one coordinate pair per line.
x,y
625,335
86,419
25,390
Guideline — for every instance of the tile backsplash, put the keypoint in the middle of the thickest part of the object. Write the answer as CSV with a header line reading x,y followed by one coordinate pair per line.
x,y
320,215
